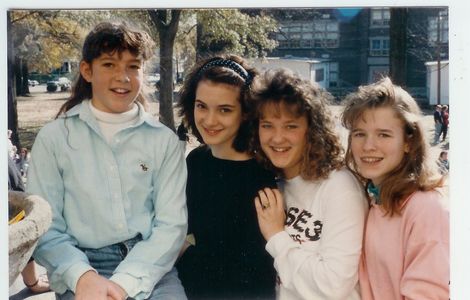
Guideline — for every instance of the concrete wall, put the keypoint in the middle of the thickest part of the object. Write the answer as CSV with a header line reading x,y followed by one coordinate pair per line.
x,y
431,82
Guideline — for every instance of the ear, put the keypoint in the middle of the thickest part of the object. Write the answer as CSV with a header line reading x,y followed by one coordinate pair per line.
x,y
85,70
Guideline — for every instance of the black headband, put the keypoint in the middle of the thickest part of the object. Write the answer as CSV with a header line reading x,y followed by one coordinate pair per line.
x,y
230,64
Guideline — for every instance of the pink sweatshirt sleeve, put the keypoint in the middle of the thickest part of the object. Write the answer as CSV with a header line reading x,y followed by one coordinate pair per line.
x,y
426,264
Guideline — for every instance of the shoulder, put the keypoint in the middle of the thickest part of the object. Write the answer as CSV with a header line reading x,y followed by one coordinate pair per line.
x,y
197,154
426,218
426,205
343,180
54,129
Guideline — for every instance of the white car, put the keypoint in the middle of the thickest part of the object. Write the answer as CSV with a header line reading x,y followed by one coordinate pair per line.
x,y
33,82
152,79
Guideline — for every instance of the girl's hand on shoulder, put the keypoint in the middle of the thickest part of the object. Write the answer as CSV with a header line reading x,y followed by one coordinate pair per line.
x,y
270,210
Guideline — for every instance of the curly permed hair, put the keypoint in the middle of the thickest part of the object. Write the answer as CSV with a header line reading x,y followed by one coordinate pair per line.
x,y
323,151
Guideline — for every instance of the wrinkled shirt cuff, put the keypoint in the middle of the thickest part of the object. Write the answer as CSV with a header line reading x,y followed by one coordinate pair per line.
x,y
73,274
129,284
277,243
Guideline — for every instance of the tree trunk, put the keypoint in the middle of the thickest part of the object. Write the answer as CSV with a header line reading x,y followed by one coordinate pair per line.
x,y
12,112
24,78
167,30
398,62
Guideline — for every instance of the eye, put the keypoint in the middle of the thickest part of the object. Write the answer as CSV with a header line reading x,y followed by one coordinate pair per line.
x,y
384,135
107,65
265,125
225,110
135,67
292,126
199,105
358,134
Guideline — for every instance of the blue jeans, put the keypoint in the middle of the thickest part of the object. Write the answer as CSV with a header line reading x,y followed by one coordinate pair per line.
x,y
105,260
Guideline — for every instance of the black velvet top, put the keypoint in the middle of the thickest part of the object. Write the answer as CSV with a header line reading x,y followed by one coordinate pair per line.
x,y
229,260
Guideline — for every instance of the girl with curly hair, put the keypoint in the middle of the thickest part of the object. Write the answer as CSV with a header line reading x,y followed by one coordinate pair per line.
x,y
224,256
406,241
316,245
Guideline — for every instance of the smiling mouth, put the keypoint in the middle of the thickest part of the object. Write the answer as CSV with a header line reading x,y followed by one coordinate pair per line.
x,y
121,91
212,132
280,149
371,160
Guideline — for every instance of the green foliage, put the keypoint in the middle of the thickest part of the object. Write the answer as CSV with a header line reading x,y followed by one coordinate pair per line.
x,y
231,30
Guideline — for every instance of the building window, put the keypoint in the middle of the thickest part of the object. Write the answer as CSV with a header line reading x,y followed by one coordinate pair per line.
x,y
380,17
319,33
379,46
319,75
441,21
334,74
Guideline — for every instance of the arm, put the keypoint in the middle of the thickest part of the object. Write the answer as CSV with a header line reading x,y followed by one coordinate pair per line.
x,y
329,269
152,258
426,264
56,249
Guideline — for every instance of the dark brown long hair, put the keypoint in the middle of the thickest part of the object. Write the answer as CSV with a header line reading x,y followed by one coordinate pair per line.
x,y
323,150
107,38
415,172
218,74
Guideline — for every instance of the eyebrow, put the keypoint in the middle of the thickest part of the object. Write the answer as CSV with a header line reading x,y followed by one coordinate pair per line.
x,y
221,105
109,57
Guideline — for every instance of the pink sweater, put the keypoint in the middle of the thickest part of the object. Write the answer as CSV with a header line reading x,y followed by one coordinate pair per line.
x,y
407,256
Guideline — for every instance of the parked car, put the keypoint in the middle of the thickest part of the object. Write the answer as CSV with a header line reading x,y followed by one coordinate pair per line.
x,y
62,83
33,82
152,79
52,86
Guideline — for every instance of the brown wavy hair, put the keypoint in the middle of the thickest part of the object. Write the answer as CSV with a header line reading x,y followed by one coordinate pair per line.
x,y
416,171
108,38
217,74
323,151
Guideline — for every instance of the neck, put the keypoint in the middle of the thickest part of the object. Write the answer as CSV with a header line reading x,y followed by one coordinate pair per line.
x,y
228,154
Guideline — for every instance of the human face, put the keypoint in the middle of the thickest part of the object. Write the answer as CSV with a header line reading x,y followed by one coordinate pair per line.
x,y
283,138
115,79
378,143
218,115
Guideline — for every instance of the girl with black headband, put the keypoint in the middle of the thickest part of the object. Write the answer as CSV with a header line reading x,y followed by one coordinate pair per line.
x,y
224,256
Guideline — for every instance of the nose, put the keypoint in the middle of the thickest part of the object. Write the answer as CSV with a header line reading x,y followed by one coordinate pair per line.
x,y
278,136
210,118
369,143
121,75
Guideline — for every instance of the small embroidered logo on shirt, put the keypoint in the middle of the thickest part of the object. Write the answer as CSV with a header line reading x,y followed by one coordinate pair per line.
x,y
144,167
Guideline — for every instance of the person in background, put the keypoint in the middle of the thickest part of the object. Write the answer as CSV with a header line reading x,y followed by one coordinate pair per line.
x,y
406,240
22,163
316,245
437,123
445,121
443,163
115,179
224,257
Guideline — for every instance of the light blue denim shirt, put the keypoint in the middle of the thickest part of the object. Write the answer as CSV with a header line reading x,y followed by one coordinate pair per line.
x,y
103,194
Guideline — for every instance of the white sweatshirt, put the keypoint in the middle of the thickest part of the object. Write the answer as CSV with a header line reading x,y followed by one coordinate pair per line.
x,y
317,255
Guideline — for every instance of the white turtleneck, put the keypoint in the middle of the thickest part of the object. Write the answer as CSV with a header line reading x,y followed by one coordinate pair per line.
x,y
111,123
